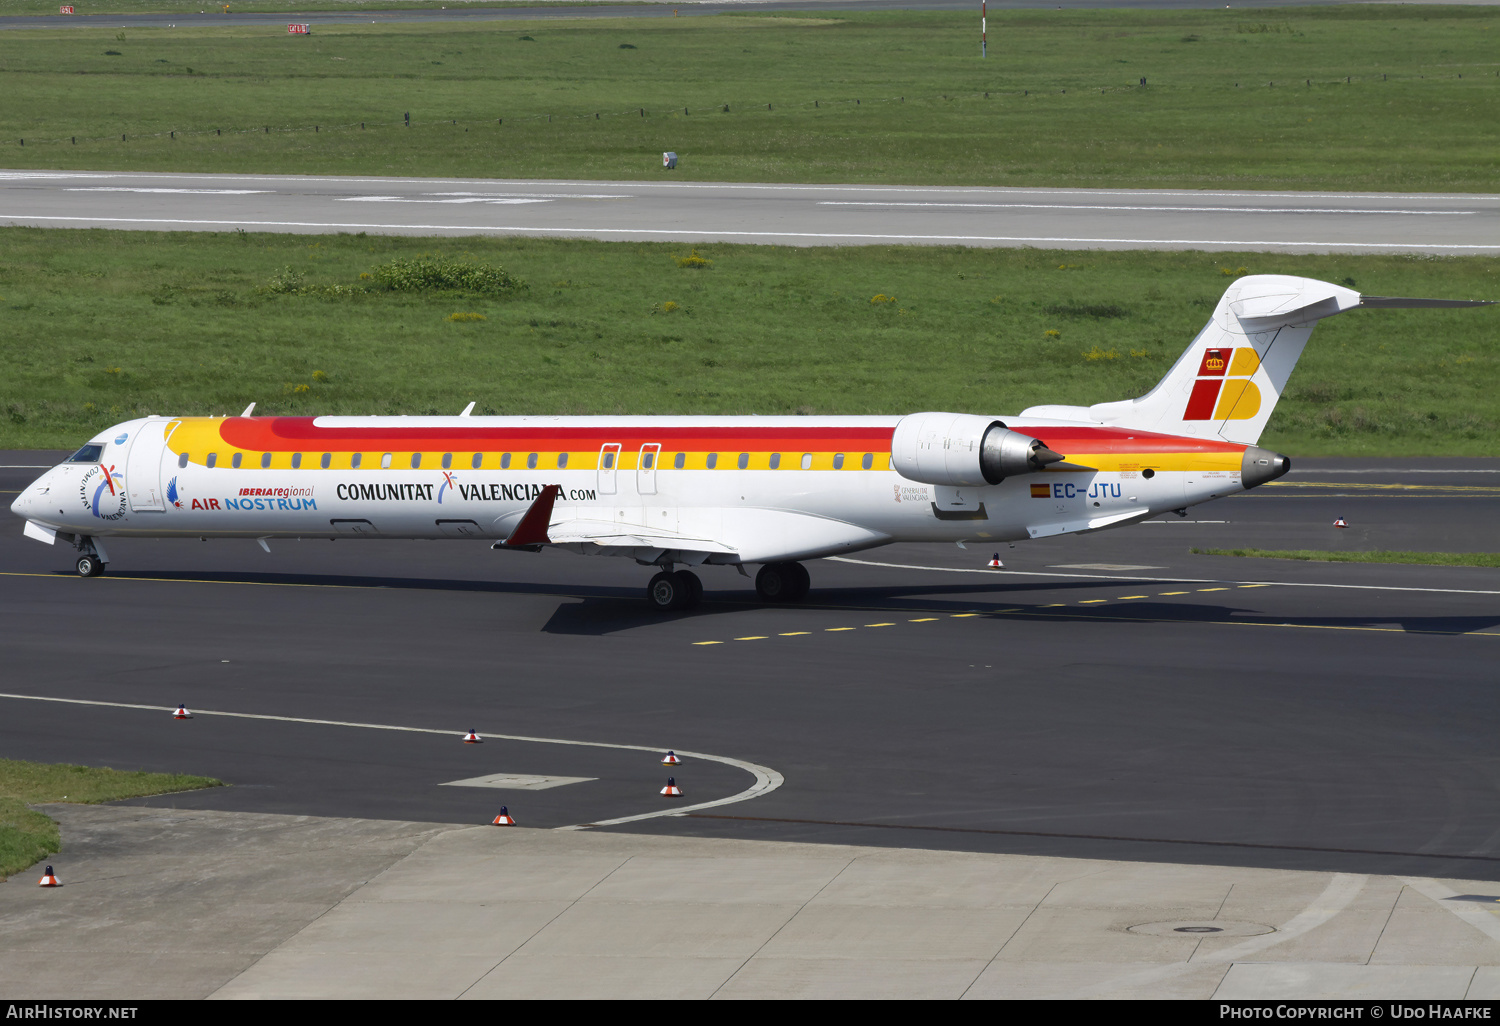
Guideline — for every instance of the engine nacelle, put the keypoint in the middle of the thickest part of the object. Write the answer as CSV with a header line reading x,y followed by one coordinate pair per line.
x,y
962,449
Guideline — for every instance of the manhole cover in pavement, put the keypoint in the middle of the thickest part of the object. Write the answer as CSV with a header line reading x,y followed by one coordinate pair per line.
x,y
1216,928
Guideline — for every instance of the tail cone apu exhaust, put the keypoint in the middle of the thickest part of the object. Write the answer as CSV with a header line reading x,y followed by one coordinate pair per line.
x,y
1005,453
1261,465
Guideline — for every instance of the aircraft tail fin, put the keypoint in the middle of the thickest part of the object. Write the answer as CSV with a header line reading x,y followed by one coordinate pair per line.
x,y
1229,379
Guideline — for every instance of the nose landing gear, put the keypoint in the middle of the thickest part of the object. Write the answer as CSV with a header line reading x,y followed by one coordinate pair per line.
x,y
91,560
673,592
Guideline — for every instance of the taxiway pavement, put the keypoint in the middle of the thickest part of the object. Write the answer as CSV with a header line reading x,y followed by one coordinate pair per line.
x,y
798,215
157,903
1111,696
686,8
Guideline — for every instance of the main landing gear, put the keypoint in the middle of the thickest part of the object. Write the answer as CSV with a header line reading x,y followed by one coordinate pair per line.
x,y
782,582
672,592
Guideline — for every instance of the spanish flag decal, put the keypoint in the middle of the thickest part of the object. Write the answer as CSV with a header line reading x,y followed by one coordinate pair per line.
x,y
1224,390
1041,491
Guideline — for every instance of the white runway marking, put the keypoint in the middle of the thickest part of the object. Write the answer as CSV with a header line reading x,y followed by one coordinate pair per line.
x,y
194,192
766,779
1164,580
831,236
517,782
498,200
917,204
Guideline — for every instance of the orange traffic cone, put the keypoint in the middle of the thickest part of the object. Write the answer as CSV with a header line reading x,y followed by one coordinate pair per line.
x,y
995,563
505,818
672,790
670,759
1341,522
48,880
182,713
472,738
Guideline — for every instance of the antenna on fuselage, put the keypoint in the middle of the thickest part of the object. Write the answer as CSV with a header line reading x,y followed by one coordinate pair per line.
x,y
467,410
248,410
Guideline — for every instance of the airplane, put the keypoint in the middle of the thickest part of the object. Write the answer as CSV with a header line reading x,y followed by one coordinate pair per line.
x,y
676,493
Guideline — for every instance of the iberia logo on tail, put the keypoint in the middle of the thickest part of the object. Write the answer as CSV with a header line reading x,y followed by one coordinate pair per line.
x,y
1224,390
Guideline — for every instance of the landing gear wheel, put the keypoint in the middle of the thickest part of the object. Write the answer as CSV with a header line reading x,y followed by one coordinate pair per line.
x,y
668,592
801,582
89,566
694,588
781,582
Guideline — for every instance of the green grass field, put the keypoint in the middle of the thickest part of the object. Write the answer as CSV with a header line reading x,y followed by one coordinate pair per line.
x,y
888,97
27,836
1318,556
103,326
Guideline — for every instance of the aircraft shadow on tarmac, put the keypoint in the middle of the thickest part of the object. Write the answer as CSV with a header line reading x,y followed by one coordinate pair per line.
x,y
596,610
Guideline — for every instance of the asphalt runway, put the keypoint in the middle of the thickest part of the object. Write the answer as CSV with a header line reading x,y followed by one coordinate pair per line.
x,y
688,8
1109,696
799,215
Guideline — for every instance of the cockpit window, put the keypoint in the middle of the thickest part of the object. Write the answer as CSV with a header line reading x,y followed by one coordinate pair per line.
x,y
88,454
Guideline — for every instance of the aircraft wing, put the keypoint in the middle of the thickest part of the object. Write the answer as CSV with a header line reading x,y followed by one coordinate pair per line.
x,y
697,535
608,534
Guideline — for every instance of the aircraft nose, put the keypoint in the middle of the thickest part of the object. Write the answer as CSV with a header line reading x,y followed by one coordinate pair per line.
x,y
22,506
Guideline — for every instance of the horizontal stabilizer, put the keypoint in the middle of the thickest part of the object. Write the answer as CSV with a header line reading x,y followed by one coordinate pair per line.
x,y
1397,303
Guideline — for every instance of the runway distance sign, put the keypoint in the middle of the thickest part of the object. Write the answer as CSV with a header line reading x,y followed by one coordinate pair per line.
x,y
298,28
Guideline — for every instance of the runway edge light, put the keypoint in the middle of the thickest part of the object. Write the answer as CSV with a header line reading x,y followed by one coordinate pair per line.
x,y
182,713
48,879
471,738
505,818
672,790
670,759
995,563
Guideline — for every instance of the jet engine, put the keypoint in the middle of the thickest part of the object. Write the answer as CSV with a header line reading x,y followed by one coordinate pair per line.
x,y
962,449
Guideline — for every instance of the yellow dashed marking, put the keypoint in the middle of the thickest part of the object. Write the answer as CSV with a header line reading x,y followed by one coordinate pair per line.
x,y
958,615
1090,602
1173,593
880,625
1015,609
925,619
1053,605
841,628
708,642
793,634
754,637
1124,597
1254,585
1213,589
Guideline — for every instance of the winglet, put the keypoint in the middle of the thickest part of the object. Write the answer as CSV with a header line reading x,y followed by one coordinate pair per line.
x,y
532,530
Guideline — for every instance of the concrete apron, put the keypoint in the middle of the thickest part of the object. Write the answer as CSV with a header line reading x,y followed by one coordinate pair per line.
x,y
161,903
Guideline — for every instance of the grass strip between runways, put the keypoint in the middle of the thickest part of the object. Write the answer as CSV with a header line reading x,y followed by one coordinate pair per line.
x,y
1319,556
27,836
